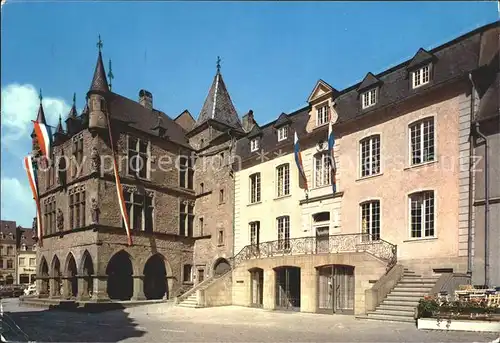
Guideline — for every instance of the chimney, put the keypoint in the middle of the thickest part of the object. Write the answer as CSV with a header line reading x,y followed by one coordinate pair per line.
x,y
146,99
248,121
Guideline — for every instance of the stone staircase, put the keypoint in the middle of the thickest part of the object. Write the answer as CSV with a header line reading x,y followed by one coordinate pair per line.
x,y
190,298
400,304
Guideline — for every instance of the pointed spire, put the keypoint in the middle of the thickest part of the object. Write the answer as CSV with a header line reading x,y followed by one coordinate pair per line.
x,y
59,128
99,81
218,105
110,75
41,115
72,112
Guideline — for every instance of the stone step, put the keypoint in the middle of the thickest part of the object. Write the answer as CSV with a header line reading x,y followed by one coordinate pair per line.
x,y
396,307
419,279
415,283
413,302
425,290
188,305
405,298
387,318
407,294
398,313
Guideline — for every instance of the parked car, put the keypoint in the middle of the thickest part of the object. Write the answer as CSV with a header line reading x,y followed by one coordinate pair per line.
x,y
30,290
11,291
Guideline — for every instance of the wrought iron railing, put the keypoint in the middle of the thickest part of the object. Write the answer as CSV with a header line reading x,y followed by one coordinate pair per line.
x,y
344,243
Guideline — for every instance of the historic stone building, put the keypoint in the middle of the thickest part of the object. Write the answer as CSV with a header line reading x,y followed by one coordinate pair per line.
x,y
404,195
177,186
9,234
26,258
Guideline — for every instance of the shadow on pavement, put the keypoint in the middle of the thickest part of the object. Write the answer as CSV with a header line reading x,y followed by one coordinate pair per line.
x,y
69,323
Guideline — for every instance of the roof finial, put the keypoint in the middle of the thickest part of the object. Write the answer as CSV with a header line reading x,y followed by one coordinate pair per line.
x,y
74,99
218,64
40,95
99,44
110,75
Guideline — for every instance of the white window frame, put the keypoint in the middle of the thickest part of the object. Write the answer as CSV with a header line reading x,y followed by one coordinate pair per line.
x,y
322,177
371,158
254,144
255,188
282,133
322,114
254,233
369,98
283,180
427,198
369,207
420,126
421,76
283,231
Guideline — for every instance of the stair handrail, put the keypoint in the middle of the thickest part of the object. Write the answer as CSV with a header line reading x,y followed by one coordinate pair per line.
x,y
355,242
196,287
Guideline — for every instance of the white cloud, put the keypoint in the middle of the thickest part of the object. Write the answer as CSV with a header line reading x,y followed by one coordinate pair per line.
x,y
17,202
20,106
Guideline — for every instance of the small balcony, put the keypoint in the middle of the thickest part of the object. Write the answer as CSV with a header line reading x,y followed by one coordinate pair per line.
x,y
334,244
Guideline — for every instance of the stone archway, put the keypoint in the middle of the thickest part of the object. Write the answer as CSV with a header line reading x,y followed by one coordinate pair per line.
x,y
155,278
71,273
120,284
44,277
55,268
87,270
221,267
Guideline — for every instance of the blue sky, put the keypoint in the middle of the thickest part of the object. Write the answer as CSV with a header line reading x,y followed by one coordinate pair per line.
x,y
272,55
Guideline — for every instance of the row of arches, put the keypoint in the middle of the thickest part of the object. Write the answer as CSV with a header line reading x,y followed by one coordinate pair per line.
x,y
120,277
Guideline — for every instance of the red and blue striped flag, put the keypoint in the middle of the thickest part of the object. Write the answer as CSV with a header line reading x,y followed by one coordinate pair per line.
x,y
333,167
300,166
32,177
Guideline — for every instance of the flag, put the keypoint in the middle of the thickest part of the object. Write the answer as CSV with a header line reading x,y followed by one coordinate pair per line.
x,y
32,178
119,189
333,167
300,166
43,134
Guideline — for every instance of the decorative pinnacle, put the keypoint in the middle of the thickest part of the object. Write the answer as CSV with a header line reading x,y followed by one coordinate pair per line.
x,y
218,64
74,100
110,75
40,95
99,44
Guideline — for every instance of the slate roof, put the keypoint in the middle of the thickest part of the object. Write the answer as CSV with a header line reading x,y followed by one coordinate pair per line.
x,y
421,57
40,117
282,120
218,105
8,228
144,119
99,81
489,105
368,82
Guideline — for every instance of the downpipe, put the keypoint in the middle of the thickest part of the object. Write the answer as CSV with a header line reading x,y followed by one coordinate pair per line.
x,y
486,207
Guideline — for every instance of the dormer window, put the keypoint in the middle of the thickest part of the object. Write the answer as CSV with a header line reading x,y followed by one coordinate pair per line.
x,y
369,98
254,144
322,114
282,133
421,76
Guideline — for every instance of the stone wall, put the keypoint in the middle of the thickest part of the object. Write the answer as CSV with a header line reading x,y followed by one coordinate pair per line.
x,y
366,268
218,293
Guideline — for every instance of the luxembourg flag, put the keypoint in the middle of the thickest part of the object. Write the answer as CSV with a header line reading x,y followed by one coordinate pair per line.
x,y
32,178
44,137
331,143
298,161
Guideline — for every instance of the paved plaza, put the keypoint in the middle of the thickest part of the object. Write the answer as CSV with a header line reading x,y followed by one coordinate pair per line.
x,y
160,323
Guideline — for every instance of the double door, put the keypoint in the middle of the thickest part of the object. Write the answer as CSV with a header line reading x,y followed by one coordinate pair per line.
x,y
336,289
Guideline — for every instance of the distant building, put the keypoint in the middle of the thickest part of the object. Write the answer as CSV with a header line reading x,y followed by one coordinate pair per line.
x,y
26,258
10,241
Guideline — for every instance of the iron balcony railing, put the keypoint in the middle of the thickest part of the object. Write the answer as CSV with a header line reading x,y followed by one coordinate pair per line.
x,y
335,244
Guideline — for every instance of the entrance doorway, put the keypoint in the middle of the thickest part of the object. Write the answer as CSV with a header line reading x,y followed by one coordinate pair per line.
x,y
155,278
336,289
120,282
257,287
288,288
201,275
221,267
24,279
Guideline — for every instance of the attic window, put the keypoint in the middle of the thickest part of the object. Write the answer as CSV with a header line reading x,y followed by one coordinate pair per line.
x,y
369,98
322,114
254,144
421,76
282,133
